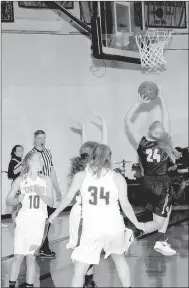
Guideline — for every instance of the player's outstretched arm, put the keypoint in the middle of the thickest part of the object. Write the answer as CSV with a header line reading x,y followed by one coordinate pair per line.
x,y
11,200
83,133
129,125
82,126
165,113
124,202
104,135
166,121
73,189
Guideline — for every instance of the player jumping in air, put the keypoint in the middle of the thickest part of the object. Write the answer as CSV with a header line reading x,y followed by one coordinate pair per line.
x,y
155,153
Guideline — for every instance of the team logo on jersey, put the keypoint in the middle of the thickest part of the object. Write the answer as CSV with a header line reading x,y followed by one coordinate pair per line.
x,y
29,189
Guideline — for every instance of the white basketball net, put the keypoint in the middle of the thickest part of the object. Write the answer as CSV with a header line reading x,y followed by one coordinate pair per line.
x,y
151,47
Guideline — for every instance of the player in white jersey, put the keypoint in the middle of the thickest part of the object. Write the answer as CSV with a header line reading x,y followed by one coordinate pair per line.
x,y
103,226
79,164
36,194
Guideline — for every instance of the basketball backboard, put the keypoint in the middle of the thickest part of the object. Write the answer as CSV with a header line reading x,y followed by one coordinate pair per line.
x,y
113,31
115,25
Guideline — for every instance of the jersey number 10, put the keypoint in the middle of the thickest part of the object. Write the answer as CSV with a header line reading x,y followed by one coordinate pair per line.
x,y
34,201
152,155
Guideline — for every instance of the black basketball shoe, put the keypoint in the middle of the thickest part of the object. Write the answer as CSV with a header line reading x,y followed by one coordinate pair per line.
x,y
90,284
47,254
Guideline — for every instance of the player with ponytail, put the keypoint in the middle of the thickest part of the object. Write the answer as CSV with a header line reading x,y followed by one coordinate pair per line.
x,y
156,152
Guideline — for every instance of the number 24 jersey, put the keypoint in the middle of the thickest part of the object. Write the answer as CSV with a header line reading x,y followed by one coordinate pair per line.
x,y
154,159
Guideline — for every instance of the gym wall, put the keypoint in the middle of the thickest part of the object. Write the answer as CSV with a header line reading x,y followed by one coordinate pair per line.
x,y
47,80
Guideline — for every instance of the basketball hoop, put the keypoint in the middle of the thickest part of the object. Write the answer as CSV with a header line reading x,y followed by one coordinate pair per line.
x,y
151,45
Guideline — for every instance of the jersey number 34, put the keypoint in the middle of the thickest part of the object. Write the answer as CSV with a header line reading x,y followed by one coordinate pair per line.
x,y
153,155
94,193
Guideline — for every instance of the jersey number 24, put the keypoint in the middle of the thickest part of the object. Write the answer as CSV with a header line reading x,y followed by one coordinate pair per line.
x,y
153,155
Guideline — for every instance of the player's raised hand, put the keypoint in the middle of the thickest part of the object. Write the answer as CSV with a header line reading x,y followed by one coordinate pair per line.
x,y
143,99
52,217
80,123
98,115
172,168
39,189
160,95
100,118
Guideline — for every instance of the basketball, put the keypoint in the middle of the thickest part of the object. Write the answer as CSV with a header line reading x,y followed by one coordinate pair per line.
x,y
148,89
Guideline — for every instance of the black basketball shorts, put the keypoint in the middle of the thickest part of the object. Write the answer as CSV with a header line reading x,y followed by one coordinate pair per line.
x,y
159,193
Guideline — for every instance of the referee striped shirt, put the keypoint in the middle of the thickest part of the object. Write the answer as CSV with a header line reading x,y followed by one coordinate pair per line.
x,y
47,159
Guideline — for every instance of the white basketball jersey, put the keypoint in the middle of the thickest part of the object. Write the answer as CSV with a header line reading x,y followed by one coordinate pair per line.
x,y
33,206
100,201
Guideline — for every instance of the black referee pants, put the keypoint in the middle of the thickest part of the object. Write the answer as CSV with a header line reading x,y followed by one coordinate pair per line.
x,y
45,247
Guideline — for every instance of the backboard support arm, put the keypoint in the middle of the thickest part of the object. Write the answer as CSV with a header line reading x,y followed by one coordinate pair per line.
x,y
82,27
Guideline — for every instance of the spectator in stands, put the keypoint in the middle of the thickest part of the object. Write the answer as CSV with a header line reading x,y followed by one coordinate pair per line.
x,y
179,174
14,170
15,164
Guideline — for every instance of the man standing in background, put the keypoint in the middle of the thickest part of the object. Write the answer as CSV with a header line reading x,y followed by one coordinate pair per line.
x,y
48,170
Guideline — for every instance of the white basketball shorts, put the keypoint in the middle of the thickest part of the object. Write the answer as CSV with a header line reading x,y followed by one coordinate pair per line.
x,y
28,234
74,221
109,236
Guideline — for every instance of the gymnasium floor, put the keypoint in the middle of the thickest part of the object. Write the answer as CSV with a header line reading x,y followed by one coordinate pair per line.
x,y
148,268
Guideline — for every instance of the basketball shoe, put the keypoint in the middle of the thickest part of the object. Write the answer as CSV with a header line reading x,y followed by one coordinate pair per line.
x,y
47,254
164,248
90,284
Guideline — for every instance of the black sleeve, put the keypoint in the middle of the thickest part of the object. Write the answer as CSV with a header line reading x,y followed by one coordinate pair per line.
x,y
140,143
10,169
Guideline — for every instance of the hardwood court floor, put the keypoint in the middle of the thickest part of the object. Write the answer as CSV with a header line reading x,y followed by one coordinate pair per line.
x,y
147,267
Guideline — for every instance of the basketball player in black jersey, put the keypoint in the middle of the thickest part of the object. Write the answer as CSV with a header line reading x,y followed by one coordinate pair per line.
x,y
155,153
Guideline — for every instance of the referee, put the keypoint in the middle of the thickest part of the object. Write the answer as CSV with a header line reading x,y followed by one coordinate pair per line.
x,y
48,170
